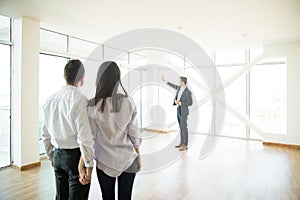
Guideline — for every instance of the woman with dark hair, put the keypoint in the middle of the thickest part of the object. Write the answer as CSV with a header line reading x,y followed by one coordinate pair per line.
x,y
113,118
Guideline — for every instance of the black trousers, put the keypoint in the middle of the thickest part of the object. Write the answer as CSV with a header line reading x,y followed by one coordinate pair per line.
x,y
182,121
67,182
107,185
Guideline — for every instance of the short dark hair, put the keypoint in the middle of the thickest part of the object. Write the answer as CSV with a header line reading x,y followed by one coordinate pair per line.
x,y
183,79
74,72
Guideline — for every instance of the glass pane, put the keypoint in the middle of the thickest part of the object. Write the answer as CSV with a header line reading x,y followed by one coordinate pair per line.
x,y
4,28
205,115
112,53
157,56
165,110
51,80
83,48
124,73
233,126
91,69
4,105
53,41
235,97
136,60
255,136
268,99
122,61
230,57
235,93
196,82
175,60
135,91
226,73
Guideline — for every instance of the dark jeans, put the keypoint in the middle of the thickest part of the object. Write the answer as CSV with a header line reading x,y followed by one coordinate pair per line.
x,y
107,185
182,121
68,186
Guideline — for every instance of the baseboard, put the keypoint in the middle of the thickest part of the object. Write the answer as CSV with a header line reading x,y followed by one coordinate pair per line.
x,y
159,131
294,146
43,157
27,167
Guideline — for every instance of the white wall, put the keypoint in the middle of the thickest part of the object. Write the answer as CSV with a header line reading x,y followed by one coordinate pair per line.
x,y
25,94
292,52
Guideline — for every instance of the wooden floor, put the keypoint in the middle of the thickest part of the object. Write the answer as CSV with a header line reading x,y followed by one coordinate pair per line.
x,y
236,169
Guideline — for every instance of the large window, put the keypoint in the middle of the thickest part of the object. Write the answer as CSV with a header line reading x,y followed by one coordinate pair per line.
x,y
51,80
55,51
228,64
231,66
131,66
5,56
205,110
268,96
235,96
258,96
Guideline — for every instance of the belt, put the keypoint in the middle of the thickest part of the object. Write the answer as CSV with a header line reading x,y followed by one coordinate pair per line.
x,y
67,150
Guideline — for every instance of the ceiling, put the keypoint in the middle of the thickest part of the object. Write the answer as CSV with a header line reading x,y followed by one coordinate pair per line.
x,y
214,24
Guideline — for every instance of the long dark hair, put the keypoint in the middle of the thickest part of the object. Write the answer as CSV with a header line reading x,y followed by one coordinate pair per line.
x,y
107,84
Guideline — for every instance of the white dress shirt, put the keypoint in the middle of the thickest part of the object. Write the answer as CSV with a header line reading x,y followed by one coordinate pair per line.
x,y
180,93
66,124
116,135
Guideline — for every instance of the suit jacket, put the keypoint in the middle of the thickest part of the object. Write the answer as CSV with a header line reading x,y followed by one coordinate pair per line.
x,y
185,99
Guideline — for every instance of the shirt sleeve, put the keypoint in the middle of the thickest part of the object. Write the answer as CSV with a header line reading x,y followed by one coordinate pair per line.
x,y
173,85
47,142
133,128
84,133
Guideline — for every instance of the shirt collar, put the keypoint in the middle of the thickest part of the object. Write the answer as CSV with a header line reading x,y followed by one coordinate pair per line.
x,y
67,87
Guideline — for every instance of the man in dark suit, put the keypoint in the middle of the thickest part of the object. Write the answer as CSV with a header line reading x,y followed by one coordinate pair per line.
x,y
183,100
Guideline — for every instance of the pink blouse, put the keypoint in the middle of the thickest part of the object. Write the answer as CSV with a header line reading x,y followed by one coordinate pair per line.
x,y
116,135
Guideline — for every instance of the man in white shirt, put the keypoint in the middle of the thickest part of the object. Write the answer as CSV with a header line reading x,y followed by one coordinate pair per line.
x,y
67,135
183,100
